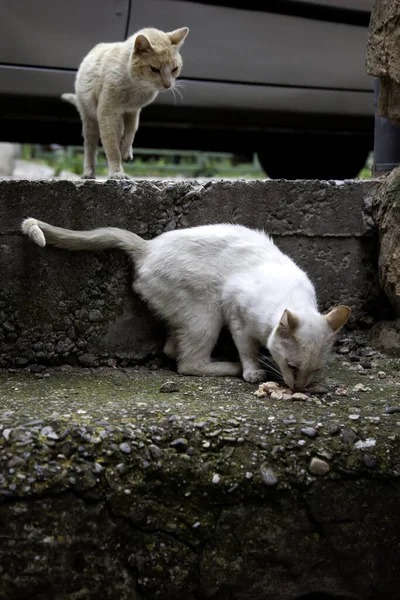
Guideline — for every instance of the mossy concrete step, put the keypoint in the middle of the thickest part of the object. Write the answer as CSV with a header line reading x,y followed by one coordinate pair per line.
x,y
58,305
111,489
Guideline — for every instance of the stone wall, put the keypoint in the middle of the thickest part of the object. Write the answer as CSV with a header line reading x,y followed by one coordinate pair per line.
x,y
56,305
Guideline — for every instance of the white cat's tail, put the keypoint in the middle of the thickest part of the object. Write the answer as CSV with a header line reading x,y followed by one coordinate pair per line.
x,y
71,98
96,239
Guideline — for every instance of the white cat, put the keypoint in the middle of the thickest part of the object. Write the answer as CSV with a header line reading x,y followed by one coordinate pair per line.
x,y
202,278
114,82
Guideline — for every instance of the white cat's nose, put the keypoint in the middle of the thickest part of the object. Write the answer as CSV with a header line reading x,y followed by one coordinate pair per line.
x,y
166,84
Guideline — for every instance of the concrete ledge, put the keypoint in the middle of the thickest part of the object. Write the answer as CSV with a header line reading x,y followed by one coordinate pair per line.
x,y
56,305
110,489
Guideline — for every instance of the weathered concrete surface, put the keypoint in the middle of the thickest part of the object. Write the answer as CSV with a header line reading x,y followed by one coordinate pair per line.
x,y
383,51
56,305
110,489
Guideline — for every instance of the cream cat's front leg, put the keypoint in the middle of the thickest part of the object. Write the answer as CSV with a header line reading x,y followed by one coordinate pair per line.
x,y
131,124
110,125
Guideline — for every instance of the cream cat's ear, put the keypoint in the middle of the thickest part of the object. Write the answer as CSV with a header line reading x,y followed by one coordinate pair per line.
x,y
288,323
142,44
337,317
178,36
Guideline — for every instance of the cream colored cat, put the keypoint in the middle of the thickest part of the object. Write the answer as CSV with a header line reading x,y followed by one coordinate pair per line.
x,y
114,82
201,278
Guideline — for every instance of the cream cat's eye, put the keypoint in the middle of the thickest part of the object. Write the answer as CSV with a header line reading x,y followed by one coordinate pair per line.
x,y
155,70
174,70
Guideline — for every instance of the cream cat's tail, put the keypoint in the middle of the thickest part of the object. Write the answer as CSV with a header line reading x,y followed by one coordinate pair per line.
x,y
96,239
71,98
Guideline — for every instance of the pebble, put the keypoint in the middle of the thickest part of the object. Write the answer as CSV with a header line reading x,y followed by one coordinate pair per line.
x,y
354,417
309,431
389,410
206,445
98,467
216,478
6,433
214,433
344,350
334,430
125,448
155,451
168,387
369,462
16,461
360,387
349,436
318,466
180,444
363,444
366,364
268,475
341,391
301,443
381,374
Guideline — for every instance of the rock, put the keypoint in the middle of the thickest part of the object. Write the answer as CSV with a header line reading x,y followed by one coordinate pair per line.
x,y
168,387
88,360
366,364
268,476
16,461
392,409
334,429
95,316
364,444
349,436
341,391
360,387
309,432
344,350
318,466
125,448
155,451
386,336
180,444
381,374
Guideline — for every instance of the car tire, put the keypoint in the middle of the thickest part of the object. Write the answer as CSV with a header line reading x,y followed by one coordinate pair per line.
x,y
297,156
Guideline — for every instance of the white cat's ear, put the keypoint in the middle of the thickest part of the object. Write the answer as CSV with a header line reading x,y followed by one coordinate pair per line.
x,y
337,317
142,44
178,36
288,322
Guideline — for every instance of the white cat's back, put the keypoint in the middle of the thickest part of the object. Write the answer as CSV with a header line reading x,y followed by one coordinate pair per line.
x,y
211,251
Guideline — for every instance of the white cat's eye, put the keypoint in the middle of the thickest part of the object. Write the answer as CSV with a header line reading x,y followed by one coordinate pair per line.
x,y
174,70
292,366
155,70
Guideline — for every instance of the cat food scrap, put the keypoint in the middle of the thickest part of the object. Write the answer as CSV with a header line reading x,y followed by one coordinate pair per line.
x,y
271,389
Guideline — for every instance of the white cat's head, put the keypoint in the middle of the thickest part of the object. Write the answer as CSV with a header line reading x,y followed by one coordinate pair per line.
x,y
156,59
301,342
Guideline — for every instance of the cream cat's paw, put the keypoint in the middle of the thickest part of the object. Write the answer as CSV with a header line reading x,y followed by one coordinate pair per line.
x,y
127,154
256,376
120,174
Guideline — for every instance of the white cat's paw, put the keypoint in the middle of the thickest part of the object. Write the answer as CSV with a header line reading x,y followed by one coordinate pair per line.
x,y
127,154
120,174
88,176
255,376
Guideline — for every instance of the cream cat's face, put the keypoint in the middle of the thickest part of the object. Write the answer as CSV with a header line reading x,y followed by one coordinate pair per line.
x,y
156,58
301,344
